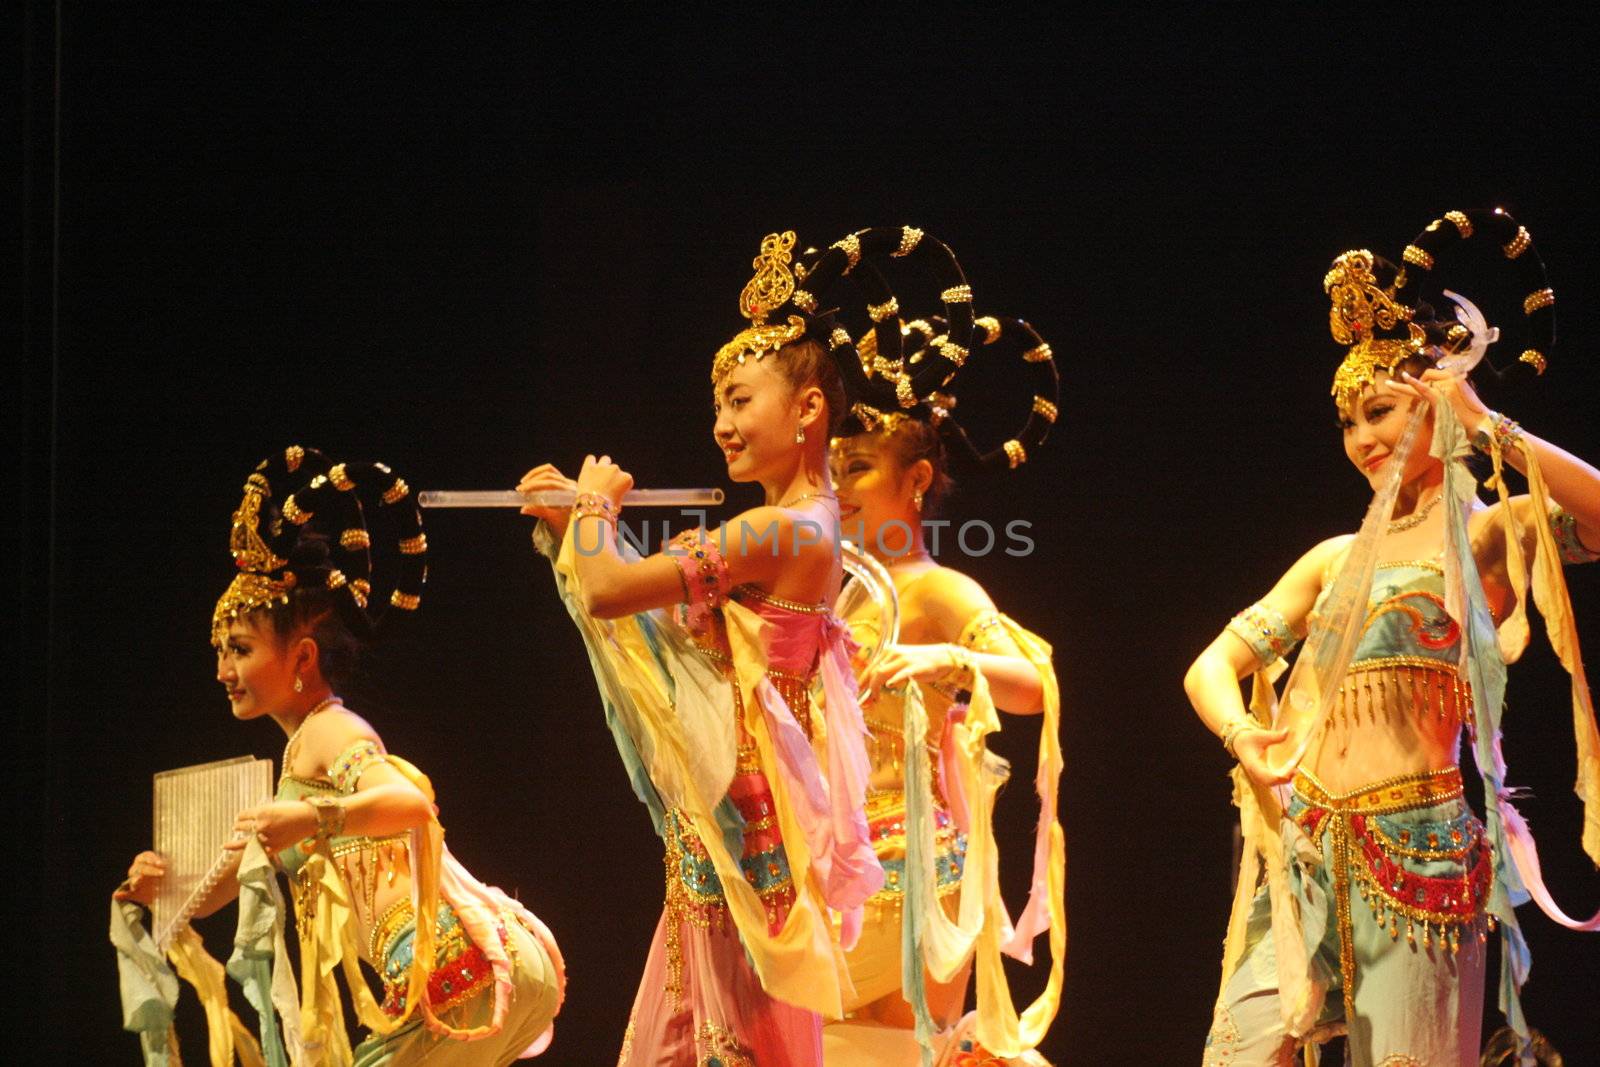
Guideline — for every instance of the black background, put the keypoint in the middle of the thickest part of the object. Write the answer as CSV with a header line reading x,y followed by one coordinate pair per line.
x,y
467,240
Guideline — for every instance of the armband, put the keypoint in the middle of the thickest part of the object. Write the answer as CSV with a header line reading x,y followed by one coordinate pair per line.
x,y
703,572
348,766
1564,525
1265,630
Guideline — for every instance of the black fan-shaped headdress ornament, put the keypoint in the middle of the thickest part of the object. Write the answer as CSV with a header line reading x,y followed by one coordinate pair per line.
x,y
796,293
1379,310
303,525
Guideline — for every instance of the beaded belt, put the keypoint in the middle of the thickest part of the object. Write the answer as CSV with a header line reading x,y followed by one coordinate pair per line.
x,y
460,972
694,891
886,827
1369,852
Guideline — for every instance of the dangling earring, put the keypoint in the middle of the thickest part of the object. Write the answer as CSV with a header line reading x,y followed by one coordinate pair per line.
x,y
299,686
800,435
916,499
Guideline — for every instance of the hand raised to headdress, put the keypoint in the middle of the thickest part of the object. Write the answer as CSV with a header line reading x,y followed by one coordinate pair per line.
x,y
1440,385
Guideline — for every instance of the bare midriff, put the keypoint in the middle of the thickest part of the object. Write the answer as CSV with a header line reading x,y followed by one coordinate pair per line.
x,y
1391,720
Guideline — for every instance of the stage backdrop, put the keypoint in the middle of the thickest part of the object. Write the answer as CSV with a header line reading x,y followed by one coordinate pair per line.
x,y
465,242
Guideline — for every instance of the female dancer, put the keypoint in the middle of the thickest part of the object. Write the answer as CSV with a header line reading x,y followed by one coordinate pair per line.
x,y
891,474
354,826
1376,809
762,833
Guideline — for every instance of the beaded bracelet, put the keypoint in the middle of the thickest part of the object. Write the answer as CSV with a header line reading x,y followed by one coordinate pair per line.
x,y
330,816
962,672
1500,430
1231,732
595,504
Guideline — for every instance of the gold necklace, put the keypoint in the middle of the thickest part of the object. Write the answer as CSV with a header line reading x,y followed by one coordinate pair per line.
x,y
819,495
1416,518
288,747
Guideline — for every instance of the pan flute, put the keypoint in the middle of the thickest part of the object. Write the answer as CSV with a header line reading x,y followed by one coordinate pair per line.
x,y
195,809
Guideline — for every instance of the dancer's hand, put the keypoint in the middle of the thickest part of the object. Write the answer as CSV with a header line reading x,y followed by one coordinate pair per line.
x,y
1438,385
546,478
276,826
605,478
906,663
1250,746
144,879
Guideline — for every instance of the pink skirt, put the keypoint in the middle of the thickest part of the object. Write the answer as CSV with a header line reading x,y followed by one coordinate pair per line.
x,y
722,1016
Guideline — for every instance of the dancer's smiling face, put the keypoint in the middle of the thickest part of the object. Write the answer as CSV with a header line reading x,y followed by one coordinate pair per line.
x,y
757,414
256,667
1372,426
875,487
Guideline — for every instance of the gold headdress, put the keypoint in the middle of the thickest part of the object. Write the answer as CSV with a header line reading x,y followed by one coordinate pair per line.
x,y
1368,316
880,379
770,288
262,579
1377,308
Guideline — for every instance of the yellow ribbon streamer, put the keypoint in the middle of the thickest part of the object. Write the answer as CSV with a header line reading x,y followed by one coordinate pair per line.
x,y
228,1036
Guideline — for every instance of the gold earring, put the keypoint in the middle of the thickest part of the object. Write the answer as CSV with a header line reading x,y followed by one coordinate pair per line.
x,y
299,686
916,499
800,435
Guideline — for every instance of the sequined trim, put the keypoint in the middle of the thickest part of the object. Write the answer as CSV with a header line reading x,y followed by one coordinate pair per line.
x,y
886,828
1394,684
701,901
752,592
716,1046
1222,1043
704,572
1368,851
980,630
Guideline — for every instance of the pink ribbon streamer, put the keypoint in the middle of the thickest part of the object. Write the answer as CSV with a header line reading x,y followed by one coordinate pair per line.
x,y
1525,854
830,811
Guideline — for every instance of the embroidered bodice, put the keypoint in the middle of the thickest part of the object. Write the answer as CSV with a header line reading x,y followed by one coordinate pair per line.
x,y
1406,623
376,869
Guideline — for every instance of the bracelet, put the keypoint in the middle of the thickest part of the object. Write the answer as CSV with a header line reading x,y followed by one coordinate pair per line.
x,y
594,504
962,672
330,816
1499,430
1231,732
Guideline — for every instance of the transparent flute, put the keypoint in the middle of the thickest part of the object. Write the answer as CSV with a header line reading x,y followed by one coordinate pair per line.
x,y
564,498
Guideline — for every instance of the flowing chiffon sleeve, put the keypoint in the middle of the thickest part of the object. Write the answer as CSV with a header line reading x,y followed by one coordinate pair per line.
x,y
675,729
983,929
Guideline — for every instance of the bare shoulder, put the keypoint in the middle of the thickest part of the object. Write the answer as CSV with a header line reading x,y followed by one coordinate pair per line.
x,y
949,599
329,733
760,529
1487,517
1325,553
1308,574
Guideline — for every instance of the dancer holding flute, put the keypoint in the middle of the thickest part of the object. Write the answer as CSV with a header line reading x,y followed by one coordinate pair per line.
x,y
353,826
957,661
1378,885
711,705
